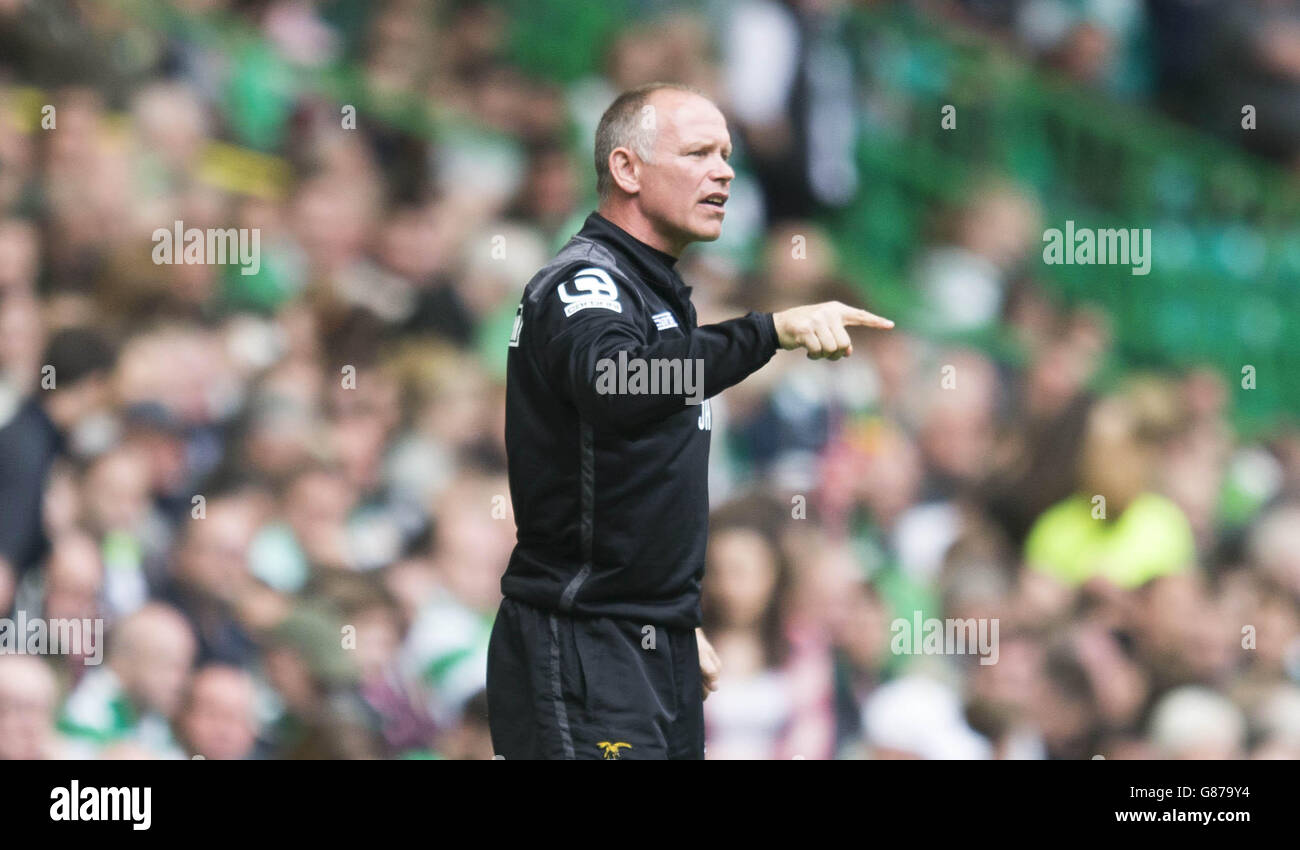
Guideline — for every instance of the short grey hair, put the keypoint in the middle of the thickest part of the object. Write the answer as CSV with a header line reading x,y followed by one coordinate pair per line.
x,y
623,126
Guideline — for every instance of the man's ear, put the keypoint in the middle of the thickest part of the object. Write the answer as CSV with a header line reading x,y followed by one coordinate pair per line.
x,y
625,169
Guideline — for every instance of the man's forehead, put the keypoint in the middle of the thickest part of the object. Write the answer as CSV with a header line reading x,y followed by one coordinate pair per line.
x,y
685,116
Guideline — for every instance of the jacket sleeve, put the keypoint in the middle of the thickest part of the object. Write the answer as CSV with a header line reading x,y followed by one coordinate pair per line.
x,y
576,349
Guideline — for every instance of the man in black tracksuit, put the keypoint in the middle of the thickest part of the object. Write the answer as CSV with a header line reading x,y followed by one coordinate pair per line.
x,y
595,651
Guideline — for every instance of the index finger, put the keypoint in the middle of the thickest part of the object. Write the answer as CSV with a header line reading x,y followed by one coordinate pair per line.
x,y
867,320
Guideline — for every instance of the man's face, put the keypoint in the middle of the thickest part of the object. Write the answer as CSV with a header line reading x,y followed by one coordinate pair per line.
x,y
684,186
156,668
221,721
28,699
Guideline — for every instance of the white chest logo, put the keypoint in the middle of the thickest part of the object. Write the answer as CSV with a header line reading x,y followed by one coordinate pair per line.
x,y
593,288
705,422
664,321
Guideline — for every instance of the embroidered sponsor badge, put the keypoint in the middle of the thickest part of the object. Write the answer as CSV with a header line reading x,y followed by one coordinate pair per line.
x,y
589,288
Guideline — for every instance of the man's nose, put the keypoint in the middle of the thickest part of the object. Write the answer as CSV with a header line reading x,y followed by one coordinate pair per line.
x,y
725,173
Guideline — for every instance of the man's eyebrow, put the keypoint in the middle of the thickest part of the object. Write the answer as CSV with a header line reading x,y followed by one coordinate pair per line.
x,y
701,144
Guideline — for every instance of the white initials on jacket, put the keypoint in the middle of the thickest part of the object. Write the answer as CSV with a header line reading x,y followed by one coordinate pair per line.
x,y
705,422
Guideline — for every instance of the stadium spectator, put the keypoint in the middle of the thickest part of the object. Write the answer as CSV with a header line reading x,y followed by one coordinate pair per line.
x,y
29,700
137,694
219,719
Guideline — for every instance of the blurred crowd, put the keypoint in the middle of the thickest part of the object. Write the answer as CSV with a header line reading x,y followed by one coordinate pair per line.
x,y
1195,59
285,492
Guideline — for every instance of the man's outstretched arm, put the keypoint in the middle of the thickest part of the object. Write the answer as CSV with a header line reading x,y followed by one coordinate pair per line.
x,y
576,346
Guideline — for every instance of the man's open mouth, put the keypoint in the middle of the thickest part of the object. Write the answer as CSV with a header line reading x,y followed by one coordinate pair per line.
x,y
717,199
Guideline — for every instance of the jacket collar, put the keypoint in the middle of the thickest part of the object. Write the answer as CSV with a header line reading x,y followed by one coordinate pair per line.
x,y
658,267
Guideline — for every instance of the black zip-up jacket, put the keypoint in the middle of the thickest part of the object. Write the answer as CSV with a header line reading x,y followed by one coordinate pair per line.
x,y
610,489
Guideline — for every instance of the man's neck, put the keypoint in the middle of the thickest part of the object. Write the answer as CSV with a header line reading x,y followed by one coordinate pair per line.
x,y
631,220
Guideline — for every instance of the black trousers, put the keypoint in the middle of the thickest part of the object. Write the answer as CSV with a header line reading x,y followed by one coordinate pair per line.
x,y
561,687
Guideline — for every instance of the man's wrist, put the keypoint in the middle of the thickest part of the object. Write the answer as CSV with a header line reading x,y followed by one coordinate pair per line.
x,y
775,338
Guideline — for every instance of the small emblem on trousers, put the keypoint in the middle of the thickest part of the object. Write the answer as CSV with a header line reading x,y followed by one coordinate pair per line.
x,y
611,750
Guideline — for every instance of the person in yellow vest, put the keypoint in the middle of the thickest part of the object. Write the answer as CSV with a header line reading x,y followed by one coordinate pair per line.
x,y
1116,528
